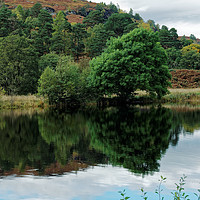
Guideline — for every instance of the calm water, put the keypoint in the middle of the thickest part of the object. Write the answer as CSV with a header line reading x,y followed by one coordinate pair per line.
x,y
91,154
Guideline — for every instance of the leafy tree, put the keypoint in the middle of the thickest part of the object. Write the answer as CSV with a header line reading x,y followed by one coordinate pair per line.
x,y
8,22
60,38
192,37
191,47
100,6
131,13
185,42
137,17
113,7
153,26
18,65
169,38
190,60
63,84
94,17
96,42
190,57
19,11
118,22
134,61
48,60
35,10
42,41
174,56
83,12
78,34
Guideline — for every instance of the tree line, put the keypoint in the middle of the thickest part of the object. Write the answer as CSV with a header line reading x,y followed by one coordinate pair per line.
x,y
111,52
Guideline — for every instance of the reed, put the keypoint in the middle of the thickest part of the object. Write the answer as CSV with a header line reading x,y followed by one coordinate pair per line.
x,y
28,101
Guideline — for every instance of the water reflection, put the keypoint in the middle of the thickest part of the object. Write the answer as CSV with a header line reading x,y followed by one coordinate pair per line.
x,y
134,138
54,143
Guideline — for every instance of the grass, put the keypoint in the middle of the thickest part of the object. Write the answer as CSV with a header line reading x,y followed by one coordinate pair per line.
x,y
28,101
181,95
190,95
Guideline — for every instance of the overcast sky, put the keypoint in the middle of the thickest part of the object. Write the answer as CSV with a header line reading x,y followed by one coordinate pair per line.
x,y
184,15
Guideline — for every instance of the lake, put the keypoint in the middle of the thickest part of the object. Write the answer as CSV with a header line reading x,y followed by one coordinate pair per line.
x,y
91,154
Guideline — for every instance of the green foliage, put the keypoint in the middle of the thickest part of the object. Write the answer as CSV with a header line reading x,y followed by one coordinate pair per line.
x,y
78,35
118,22
60,38
42,41
19,11
8,22
137,16
134,61
65,84
123,194
173,57
48,60
35,10
190,60
159,190
179,193
185,42
169,38
94,17
96,42
18,65
2,91
144,194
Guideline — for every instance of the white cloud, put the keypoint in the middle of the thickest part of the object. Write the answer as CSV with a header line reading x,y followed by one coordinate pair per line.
x,y
180,14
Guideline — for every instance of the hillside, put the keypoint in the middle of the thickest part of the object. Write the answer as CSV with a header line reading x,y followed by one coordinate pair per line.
x,y
71,7
55,5
184,78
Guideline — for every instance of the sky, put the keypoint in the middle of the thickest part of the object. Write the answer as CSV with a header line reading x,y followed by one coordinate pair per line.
x,y
183,15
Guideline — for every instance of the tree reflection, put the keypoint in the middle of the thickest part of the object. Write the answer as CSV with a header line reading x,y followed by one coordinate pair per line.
x,y
133,138
21,144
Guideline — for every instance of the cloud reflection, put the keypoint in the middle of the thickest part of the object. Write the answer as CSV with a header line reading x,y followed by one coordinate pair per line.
x,y
96,181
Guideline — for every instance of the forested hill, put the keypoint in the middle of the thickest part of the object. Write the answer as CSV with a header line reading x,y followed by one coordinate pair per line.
x,y
38,40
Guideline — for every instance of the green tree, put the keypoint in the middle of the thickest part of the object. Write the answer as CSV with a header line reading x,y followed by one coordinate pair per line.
x,y
190,57
94,17
137,17
63,84
185,42
169,38
8,22
18,65
19,11
173,57
60,39
190,60
35,10
96,42
42,40
48,60
134,61
118,22
78,35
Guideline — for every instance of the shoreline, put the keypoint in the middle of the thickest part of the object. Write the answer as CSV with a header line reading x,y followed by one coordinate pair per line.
x,y
180,95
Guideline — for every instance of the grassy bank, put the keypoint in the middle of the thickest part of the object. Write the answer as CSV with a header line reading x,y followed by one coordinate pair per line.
x,y
29,101
181,95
